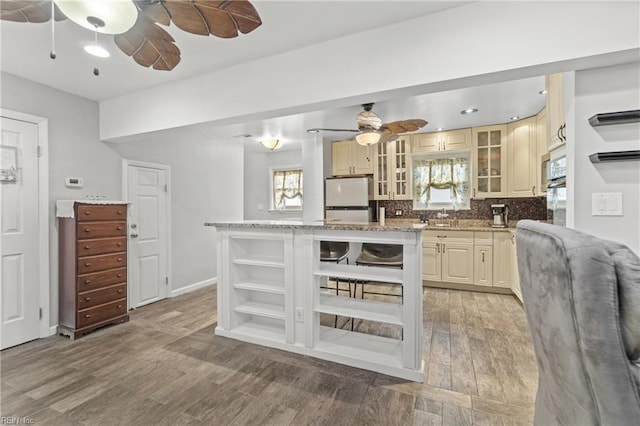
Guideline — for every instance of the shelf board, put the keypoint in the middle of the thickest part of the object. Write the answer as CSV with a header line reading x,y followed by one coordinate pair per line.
x,y
261,287
271,262
609,118
267,310
371,310
360,346
601,157
361,273
261,330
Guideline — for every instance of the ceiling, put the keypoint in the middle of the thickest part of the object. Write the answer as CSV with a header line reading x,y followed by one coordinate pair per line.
x,y
25,52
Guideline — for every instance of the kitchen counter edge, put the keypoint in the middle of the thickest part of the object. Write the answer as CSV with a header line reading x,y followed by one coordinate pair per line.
x,y
373,226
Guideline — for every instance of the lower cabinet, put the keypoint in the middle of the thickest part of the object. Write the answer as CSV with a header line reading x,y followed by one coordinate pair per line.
x,y
483,258
513,269
505,262
447,256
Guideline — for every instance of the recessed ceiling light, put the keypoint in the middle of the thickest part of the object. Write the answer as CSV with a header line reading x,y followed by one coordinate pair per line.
x,y
440,129
469,111
514,118
543,92
314,130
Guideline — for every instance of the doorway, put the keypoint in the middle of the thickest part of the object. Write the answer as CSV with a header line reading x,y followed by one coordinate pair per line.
x,y
24,246
146,187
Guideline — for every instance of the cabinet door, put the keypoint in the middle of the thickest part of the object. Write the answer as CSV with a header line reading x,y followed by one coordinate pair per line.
x,y
541,149
361,159
483,265
555,108
431,261
501,259
341,158
399,162
426,142
521,164
457,263
513,267
489,161
381,178
456,140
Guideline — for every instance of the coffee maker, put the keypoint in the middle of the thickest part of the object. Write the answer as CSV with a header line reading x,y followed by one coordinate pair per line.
x,y
500,212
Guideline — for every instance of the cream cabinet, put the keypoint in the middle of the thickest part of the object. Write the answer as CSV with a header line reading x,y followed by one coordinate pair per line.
x,y
505,262
350,158
521,158
541,149
555,110
513,266
392,170
447,256
452,140
489,161
483,258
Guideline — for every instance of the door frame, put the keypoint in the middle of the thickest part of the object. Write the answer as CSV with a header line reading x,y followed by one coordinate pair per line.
x,y
125,196
44,298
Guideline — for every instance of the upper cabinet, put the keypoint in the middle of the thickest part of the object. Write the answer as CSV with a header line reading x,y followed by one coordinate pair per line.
x,y
490,161
350,158
452,140
555,110
392,169
522,158
542,143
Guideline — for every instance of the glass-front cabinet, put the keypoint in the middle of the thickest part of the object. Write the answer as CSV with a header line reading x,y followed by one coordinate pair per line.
x,y
489,160
392,170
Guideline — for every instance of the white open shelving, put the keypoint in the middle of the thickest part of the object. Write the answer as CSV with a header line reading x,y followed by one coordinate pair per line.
x,y
264,287
359,273
267,261
267,310
373,349
371,310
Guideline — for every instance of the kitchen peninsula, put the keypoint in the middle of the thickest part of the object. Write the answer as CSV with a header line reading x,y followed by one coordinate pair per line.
x,y
269,292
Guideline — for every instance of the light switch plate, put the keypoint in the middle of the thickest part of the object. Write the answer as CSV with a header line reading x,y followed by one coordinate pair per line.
x,y
299,315
606,204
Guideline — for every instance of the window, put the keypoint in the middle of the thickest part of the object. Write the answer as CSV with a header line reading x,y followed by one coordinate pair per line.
x,y
441,182
286,189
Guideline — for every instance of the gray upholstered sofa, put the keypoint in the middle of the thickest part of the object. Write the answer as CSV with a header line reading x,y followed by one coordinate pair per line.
x,y
582,299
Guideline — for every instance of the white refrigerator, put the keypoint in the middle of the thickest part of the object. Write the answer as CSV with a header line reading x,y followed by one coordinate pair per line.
x,y
349,200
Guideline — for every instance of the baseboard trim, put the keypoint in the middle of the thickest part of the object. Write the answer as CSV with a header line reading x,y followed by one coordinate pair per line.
x,y
194,287
53,330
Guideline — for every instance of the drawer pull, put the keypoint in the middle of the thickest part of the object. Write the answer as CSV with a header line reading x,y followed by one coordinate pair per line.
x,y
119,212
120,275
87,247
87,264
119,306
87,281
87,212
119,290
119,244
88,299
87,316
119,228
87,230
119,259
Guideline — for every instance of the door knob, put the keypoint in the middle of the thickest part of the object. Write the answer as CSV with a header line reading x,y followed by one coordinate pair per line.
x,y
134,235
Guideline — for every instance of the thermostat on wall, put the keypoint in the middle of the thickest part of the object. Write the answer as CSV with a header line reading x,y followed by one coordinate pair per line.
x,y
72,182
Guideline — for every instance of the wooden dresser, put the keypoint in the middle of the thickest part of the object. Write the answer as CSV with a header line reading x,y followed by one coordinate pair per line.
x,y
93,267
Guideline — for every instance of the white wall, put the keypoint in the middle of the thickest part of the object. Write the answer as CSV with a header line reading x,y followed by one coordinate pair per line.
x,y
256,182
596,91
478,43
74,150
206,185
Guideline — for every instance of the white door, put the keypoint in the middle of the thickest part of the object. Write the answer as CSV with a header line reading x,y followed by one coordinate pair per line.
x,y
148,234
19,307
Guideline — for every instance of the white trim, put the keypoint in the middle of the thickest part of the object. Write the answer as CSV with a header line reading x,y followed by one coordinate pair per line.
x,y
193,287
52,331
125,195
272,169
43,212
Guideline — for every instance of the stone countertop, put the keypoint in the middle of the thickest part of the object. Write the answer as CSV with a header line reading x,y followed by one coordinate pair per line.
x,y
328,225
463,225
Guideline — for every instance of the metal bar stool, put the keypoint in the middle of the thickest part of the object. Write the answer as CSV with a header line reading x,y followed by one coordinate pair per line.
x,y
335,251
385,255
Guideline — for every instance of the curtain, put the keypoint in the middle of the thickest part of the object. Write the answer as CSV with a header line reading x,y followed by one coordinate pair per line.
x,y
444,173
287,185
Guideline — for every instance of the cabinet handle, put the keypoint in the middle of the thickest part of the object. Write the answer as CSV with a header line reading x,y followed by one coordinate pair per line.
x,y
119,306
119,244
444,145
88,299
443,247
87,281
119,275
119,259
474,193
438,248
87,212
87,230
119,290
87,316
483,257
119,212
119,228
87,247
513,238
87,264
533,190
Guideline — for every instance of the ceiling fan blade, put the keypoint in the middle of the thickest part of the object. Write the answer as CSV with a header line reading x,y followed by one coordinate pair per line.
x,y
321,129
403,126
28,11
154,11
219,18
149,45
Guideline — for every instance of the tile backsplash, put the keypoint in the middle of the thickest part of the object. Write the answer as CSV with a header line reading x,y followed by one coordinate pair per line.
x,y
534,208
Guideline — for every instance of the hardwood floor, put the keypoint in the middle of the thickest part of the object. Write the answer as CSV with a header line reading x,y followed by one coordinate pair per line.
x,y
166,367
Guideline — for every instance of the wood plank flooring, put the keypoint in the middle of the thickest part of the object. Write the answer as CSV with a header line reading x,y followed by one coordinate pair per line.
x,y
166,367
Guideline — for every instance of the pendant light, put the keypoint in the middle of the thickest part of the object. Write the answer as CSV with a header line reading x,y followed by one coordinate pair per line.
x,y
368,137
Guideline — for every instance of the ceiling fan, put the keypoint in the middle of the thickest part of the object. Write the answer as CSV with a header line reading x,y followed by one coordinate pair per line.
x,y
371,130
134,22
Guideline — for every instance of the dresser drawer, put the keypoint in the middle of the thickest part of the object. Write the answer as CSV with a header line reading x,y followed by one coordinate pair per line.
x,y
100,263
101,279
101,246
92,212
101,313
101,296
86,230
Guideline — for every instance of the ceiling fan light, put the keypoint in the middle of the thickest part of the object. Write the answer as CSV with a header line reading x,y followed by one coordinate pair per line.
x,y
368,137
95,50
118,15
271,144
